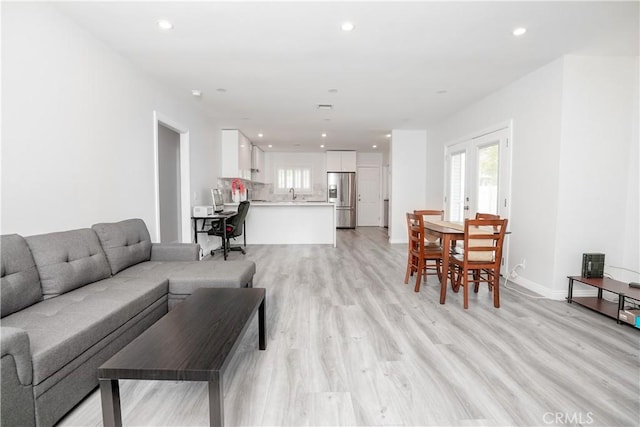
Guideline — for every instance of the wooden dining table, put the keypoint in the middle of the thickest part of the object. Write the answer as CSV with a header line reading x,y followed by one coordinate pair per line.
x,y
449,232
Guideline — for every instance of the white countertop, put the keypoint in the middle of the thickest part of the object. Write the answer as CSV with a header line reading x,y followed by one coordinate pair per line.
x,y
296,203
286,203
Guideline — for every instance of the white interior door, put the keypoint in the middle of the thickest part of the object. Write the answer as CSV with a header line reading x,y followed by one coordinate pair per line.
x,y
368,210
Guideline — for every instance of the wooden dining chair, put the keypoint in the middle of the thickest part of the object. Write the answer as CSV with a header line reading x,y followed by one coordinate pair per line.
x,y
458,247
481,215
430,214
480,262
421,258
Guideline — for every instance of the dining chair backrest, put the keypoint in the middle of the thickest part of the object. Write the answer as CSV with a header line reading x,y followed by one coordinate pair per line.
x,y
415,228
426,215
431,213
480,215
483,239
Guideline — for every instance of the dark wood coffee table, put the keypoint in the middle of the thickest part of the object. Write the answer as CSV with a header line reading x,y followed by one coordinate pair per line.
x,y
194,342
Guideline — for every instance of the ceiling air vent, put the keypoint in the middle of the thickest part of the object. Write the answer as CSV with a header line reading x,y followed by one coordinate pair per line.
x,y
325,106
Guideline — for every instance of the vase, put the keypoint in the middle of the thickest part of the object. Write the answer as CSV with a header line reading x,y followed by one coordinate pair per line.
x,y
235,196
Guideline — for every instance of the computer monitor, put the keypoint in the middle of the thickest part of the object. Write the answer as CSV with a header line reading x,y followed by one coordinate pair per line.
x,y
216,196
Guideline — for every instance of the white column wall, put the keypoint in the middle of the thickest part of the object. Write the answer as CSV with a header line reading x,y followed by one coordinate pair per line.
x,y
408,154
77,128
597,211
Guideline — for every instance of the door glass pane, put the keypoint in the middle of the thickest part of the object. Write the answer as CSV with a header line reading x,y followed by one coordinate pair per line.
x,y
488,160
456,188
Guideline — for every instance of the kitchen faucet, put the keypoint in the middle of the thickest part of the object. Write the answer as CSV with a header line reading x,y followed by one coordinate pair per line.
x,y
293,190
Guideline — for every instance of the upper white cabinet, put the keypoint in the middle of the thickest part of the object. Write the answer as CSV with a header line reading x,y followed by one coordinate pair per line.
x,y
341,161
236,155
257,164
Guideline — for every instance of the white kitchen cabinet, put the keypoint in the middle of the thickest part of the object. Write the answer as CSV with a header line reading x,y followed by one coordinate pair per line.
x,y
257,164
341,161
236,155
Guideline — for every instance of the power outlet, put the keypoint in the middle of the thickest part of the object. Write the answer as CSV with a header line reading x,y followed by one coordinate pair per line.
x,y
522,265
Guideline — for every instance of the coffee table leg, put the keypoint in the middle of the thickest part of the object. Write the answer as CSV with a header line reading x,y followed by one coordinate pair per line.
x,y
110,396
216,401
262,326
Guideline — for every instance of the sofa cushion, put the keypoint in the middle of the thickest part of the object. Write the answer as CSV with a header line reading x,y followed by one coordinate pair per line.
x,y
19,279
187,276
67,260
211,274
126,243
62,328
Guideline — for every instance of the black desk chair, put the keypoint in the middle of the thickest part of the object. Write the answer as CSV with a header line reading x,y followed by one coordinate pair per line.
x,y
235,228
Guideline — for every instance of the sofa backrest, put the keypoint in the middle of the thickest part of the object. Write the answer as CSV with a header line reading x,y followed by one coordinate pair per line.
x,y
67,260
126,243
19,279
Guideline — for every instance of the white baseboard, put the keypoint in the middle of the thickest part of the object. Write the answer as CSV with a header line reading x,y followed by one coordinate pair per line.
x,y
558,294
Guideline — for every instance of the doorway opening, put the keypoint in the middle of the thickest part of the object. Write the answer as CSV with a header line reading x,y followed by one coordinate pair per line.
x,y
172,180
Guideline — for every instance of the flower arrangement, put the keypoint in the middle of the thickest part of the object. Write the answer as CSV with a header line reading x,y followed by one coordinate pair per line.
x,y
237,190
237,185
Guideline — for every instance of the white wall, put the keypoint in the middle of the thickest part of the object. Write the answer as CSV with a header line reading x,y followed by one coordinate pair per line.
x,y
595,192
77,134
563,118
408,152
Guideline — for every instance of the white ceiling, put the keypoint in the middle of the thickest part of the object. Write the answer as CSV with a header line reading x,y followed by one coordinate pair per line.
x,y
278,61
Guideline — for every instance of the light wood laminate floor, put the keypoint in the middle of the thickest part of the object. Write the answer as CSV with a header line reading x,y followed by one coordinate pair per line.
x,y
350,344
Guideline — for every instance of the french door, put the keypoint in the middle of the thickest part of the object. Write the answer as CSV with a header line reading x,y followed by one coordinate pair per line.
x,y
478,176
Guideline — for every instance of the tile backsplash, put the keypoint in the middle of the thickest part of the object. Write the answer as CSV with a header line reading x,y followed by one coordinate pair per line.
x,y
266,192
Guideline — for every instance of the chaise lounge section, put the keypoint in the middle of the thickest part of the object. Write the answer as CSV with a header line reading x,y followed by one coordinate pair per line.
x,y
72,299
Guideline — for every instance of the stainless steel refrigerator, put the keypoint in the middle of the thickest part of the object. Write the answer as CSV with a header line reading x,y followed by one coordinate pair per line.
x,y
341,189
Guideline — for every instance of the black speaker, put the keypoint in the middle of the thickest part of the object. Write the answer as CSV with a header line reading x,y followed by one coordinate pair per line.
x,y
593,265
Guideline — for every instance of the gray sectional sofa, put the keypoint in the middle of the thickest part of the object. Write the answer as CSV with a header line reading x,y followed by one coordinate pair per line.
x,y
72,299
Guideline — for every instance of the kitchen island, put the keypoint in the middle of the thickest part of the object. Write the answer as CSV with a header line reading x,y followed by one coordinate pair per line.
x,y
291,223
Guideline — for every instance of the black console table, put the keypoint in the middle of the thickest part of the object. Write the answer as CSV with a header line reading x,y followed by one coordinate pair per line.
x,y
608,308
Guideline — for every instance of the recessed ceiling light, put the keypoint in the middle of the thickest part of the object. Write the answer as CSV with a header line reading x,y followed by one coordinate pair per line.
x,y
519,31
163,24
260,135
347,26
388,135
324,135
325,106
270,146
196,92
374,146
322,146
